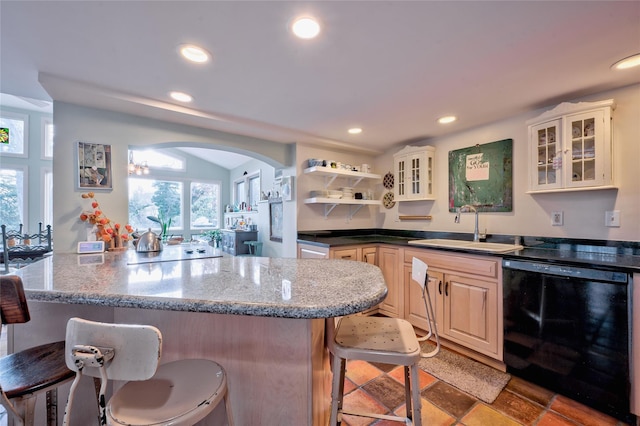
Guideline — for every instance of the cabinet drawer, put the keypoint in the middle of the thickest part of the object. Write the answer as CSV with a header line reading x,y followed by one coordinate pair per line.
x,y
346,254
471,264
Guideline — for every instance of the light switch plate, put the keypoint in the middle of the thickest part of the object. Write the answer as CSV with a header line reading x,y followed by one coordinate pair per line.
x,y
612,218
557,218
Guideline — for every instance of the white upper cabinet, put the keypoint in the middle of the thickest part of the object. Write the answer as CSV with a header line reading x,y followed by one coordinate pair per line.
x,y
570,148
413,167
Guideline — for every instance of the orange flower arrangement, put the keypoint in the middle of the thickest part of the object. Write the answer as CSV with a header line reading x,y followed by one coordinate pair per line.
x,y
111,233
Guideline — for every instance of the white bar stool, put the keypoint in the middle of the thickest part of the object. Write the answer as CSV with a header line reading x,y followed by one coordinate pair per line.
x,y
177,393
384,340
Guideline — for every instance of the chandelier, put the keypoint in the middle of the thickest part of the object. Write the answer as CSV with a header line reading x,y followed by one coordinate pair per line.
x,y
135,168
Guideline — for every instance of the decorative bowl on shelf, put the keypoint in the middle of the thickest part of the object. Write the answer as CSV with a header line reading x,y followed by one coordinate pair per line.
x,y
314,162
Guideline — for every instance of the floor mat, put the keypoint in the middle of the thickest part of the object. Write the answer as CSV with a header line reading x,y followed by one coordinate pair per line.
x,y
472,377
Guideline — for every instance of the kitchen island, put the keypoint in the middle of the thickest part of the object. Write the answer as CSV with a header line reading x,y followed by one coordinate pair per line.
x,y
261,318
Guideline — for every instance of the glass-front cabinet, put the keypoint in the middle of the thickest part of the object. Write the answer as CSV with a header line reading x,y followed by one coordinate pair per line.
x,y
414,173
571,148
548,152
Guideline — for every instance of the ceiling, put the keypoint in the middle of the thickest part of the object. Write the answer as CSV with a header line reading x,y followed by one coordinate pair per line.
x,y
389,67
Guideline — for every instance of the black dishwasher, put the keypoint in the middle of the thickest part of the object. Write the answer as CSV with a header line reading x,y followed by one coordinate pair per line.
x,y
568,329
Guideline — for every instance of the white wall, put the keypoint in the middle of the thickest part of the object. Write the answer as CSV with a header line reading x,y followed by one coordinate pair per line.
x,y
583,211
74,123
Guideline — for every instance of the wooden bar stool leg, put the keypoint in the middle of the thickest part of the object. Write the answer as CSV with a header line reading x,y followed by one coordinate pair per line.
x,y
25,408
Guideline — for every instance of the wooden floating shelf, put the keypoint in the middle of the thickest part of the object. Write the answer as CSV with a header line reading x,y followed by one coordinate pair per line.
x,y
414,217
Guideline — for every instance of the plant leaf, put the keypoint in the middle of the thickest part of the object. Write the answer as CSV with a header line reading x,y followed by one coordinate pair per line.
x,y
154,219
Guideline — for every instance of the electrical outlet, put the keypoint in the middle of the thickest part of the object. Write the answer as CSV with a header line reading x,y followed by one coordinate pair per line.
x,y
557,218
612,218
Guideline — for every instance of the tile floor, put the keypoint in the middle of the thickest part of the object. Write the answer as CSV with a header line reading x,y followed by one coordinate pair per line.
x,y
379,388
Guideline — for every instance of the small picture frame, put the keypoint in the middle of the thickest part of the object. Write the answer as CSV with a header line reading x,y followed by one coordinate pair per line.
x,y
275,219
94,166
286,188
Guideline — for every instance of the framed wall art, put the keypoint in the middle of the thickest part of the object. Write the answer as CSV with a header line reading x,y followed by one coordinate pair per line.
x,y
94,166
286,188
275,219
482,176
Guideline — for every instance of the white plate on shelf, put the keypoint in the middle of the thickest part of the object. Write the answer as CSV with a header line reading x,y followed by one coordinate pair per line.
x,y
576,132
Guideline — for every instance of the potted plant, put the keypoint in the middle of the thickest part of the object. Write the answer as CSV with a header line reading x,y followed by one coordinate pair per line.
x,y
164,223
214,236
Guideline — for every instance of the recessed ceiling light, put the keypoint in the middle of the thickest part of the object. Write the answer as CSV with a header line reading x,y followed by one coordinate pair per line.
x,y
447,119
355,130
305,28
194,53
630,62
181,97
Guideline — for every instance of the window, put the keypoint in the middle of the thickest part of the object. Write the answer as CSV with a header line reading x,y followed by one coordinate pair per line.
x,y
47,196
239,191
247,189
150,197
18,125
156,160
47,138
12,197
205,205
254,190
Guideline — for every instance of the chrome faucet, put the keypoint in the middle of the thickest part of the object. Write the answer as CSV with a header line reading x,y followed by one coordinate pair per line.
x,y
467,208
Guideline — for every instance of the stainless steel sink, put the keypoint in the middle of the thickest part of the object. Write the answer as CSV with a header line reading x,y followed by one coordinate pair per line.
x,y
467,245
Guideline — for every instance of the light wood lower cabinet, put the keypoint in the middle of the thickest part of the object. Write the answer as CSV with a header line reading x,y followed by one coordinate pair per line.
x,y
370,255
389,261
363,253
414,308
387,258
465,291
470,313
466,294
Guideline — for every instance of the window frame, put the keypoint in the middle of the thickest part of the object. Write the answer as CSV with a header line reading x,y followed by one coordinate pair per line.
x,y
246,179
44,123
46,205
138,153
25,191
169,179
219,206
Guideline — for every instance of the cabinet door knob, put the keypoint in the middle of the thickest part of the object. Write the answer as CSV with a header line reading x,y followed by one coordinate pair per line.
x,y
440,287
446,288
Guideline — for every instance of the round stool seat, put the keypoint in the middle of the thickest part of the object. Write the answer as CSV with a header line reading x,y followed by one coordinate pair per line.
x,y
180,393
34,369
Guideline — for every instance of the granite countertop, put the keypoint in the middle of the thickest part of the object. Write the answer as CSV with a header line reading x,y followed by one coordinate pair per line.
x,y
258,286
618,255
